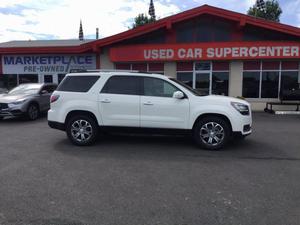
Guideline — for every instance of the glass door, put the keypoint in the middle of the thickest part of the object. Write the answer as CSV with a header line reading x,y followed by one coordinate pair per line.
x,y
202,83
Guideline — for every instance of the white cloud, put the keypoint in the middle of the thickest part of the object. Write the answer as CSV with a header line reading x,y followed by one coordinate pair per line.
x,y
61,18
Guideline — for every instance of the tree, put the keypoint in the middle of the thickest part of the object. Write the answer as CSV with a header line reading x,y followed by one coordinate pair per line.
x,y
272,11
142,19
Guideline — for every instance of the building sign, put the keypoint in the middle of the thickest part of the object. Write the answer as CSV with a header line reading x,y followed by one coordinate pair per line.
x,y
43,64
206,51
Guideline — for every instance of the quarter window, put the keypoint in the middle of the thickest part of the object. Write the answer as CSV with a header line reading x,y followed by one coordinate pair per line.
x,y
126,85
158,88
77,83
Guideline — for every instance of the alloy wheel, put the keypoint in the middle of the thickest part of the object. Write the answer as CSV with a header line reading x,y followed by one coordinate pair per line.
x,y
212,134
81,130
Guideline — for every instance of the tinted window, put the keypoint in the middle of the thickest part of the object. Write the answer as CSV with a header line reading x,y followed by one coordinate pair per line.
x,y
157,87
126,85
77,83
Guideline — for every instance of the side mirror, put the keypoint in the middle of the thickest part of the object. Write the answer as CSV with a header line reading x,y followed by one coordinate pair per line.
x,y
178,95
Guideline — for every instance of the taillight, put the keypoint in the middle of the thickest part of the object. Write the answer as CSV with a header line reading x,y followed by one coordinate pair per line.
x,y
54,98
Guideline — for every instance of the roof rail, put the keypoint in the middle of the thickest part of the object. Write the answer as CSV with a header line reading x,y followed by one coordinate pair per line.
x,y
101,70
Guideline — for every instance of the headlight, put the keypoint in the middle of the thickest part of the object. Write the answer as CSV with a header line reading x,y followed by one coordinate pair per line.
x,y
18,102
242,108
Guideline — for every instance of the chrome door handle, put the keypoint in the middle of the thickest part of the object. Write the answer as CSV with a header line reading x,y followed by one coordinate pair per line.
x,y
105,101
148,103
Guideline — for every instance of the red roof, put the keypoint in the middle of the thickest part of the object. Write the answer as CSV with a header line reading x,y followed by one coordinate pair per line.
x,y
165,22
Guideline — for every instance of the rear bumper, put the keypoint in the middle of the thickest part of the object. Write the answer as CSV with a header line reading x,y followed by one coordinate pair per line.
x,y
57,125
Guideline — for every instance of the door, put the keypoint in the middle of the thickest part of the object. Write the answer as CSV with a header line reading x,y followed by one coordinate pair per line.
x,y
119,101
48,78
202,83
158,107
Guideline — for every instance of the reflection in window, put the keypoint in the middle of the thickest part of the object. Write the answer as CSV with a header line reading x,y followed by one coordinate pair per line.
x,y
220,83
158,88
251,84
270,82
126,85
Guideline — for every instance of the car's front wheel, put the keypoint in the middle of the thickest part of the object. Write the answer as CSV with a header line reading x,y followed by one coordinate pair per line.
x,y
82,130
212,132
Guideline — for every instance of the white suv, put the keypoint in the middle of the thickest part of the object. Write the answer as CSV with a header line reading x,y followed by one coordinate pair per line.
x,y
86,103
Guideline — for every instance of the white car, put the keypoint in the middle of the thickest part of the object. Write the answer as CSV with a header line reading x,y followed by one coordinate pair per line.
x,y
88,102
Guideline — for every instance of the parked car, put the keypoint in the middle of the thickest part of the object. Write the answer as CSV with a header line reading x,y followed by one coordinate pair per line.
x,y
135,102
26,99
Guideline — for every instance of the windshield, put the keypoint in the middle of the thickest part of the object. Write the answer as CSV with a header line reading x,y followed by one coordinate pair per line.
x,y
25,89
195,92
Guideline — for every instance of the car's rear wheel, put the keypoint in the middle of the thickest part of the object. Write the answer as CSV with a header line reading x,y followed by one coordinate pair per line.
x,y
33,112
212,133
82,130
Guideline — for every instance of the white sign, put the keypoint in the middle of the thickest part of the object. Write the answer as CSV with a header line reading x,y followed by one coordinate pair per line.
x,y
46,64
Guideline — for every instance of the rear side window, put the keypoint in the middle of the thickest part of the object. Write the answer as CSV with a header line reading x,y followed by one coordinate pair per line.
x,y
77,83
126,85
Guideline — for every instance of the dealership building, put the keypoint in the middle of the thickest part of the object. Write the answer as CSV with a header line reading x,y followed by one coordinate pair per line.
x,y
210,49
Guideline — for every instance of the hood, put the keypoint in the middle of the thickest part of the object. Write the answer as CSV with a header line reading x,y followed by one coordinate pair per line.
x,y
222,98
7,98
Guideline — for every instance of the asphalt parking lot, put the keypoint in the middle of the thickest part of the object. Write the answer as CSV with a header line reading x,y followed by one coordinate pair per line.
x,y
149,180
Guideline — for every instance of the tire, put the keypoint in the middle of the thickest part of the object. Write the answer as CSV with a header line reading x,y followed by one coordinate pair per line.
x,y
33,112
1,118
212,133
82,130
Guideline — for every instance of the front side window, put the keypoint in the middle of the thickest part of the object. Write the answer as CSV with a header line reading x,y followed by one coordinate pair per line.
x,y
77,83
126,85
158,88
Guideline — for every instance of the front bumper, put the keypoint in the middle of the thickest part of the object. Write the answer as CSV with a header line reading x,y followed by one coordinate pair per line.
x,y
11,112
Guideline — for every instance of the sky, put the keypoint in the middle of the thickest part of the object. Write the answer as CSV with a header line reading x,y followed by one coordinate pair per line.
x,y
59,19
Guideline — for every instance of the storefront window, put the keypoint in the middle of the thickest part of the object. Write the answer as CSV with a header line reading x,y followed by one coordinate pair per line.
x,y
269,86
28,78
186,77
60,77
265,79
206,77
290,80
251,82
8,81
